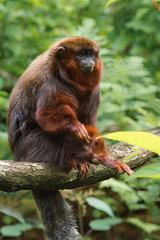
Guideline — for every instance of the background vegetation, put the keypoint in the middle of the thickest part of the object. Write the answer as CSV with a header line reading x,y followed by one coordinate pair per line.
x,y
129,38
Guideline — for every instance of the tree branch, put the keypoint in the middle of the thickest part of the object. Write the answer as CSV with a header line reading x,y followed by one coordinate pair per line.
x,y
35,176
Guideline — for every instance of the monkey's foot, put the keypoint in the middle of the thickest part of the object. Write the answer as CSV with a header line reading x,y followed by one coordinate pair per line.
x,y
83,169
120,166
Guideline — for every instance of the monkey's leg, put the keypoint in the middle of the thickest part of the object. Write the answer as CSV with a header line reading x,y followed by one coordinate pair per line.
x,y
101,153
56,215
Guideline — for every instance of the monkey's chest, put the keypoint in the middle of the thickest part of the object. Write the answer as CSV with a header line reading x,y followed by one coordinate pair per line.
x,y
83,110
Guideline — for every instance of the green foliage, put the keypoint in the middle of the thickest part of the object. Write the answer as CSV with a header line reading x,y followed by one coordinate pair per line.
x,y
3,106
116,185
147,227
10,211
15,230
137,31
138,196
104,224
149,171
124,88
110,2
100,205
5,153
126,193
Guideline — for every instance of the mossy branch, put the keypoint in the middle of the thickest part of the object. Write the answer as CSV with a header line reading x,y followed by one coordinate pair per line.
x,y
16,176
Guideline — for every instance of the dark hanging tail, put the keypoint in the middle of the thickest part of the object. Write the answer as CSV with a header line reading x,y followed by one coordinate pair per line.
x,y
56,215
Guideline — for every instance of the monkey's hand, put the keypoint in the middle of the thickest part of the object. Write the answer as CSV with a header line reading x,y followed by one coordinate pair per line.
x,y
81,132
83,169
120,166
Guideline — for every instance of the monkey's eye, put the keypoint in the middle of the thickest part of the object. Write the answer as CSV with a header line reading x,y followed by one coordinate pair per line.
x,y
80,55
90,54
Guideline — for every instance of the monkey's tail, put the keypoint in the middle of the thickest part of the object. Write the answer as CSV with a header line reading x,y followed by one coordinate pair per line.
x,y
56,215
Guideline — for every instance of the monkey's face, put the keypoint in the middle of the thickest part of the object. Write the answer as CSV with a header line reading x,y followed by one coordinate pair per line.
x,y
79,59
79,54
86,59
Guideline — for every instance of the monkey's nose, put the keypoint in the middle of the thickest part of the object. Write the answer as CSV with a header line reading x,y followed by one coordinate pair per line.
x,y
87,66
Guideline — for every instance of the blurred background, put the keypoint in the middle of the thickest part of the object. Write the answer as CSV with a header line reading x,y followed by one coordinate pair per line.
x,y
128,33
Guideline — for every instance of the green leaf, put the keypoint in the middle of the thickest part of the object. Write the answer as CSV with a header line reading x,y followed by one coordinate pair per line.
x,y
10,211
149,171
99,225
10,231
115,185
131,156
15,230
100,205
144,140
147,227
109,2
4,94
104,224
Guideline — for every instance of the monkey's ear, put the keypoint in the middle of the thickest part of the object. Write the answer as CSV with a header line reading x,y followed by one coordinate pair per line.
x,y
61,53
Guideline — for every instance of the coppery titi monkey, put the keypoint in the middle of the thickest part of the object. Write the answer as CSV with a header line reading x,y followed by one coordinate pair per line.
x,y
52,119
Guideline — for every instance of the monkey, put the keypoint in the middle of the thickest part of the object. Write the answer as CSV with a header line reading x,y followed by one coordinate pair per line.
x,y
52,119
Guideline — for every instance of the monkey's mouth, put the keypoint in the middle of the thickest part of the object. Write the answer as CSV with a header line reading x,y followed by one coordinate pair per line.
x,y
87,68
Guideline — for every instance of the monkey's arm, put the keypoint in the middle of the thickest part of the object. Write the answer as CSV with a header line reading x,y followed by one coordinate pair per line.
x,y
58,116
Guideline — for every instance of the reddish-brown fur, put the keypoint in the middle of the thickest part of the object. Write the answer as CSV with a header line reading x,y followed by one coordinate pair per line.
x,y
53,108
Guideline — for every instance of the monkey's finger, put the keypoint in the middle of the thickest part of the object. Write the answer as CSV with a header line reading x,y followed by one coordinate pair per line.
x,y
120,170
84,172
122,167
82,135
83,169
127,169
88,138
83,175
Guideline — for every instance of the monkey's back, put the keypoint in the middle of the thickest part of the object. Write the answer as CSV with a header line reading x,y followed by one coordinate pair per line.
x,y
23,99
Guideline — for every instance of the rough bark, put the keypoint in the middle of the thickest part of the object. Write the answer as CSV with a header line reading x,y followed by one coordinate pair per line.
x,y
25,175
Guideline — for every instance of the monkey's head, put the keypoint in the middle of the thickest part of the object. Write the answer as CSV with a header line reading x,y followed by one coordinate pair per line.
x,y
79,58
